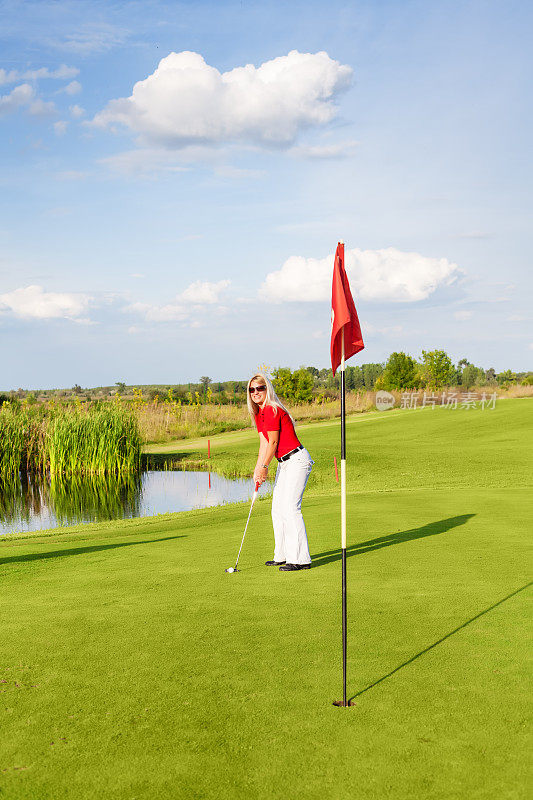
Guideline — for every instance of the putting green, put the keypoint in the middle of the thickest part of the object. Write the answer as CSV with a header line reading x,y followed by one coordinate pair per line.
x,y
133,666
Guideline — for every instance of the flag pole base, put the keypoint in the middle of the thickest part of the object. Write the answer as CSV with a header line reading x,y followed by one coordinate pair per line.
x,y
342,704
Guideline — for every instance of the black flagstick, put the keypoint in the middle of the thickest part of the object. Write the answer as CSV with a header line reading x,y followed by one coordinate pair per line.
x,y
344,701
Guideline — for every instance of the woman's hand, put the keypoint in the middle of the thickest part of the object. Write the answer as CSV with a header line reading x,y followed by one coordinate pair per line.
x,y
260,475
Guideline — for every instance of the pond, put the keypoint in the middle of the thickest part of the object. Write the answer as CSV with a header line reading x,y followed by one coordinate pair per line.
x,y
29,504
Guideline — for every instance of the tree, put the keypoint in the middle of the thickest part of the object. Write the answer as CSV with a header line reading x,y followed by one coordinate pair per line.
x,y
506,377
471,376
76,388
204,383
282,380
313,371
121,387
295,387
354,378
490,375
302,382
333,381
370,373
437,369
400,372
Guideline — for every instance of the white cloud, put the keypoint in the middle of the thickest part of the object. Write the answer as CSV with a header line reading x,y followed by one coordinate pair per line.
x,y
60,127
462,315
74,87
384,275
19,96
42,108
61,73
203,292
32,302
194,299
185,100
76,111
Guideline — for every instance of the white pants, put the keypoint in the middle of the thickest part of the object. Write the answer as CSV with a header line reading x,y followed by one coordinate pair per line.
x,y
290,536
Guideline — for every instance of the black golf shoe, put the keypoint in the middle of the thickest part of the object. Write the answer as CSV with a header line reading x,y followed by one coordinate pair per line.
x,y
273,563
294,567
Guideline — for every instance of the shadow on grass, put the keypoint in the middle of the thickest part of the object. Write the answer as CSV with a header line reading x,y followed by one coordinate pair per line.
x,y
439,641
77,551
431,529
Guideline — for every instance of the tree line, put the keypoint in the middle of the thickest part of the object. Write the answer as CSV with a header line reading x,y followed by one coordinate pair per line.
x,y
401,372
434,370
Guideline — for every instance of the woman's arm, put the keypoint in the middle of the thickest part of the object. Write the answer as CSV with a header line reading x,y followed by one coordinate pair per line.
x,y
263,446
267,450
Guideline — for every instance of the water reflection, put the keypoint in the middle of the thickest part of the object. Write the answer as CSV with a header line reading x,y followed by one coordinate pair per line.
x,y
30,503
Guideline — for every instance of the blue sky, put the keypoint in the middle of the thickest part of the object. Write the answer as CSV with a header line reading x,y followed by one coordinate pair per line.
x,y
185,227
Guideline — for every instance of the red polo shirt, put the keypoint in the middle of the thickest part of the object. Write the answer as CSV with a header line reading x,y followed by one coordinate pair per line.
x,y
272,418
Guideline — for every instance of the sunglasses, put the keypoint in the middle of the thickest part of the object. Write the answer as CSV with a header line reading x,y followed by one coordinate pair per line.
x,y
253,389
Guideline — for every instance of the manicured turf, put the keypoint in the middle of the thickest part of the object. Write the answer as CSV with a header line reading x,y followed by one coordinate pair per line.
x,y
134,667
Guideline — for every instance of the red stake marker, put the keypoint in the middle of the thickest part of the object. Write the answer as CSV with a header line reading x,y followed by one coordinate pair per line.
x,y
336,470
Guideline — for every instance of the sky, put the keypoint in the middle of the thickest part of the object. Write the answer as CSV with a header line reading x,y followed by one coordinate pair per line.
x,y
175,177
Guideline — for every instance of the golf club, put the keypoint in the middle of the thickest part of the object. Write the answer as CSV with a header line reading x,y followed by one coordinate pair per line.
x,y
254,497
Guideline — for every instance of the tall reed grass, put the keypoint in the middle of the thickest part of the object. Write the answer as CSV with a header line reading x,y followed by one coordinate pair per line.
x,y
68,441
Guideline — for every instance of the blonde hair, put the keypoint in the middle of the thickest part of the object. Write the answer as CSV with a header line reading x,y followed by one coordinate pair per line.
x,y
271,399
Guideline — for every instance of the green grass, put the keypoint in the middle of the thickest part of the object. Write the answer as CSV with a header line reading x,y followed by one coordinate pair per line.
x,y
134,667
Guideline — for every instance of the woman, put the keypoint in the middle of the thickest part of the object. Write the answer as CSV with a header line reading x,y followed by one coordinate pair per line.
x,y
277,437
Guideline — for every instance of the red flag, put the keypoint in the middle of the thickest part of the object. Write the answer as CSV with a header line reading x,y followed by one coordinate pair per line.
x,y
343,314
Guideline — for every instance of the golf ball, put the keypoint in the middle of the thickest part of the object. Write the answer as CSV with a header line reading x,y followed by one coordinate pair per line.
x,y
230,569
